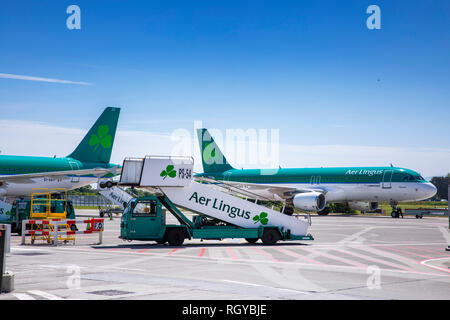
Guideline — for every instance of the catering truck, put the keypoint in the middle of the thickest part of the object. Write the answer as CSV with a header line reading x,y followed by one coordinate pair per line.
x,y
217,214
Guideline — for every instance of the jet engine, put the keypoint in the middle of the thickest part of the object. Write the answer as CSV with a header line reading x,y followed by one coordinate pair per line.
x,y
363,205
309,201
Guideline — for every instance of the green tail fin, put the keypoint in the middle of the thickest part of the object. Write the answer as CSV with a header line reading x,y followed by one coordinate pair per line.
x,y
97,144
213,159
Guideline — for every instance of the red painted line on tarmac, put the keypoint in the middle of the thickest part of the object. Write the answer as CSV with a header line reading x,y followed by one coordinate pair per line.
x,y
431,251
266,255
291,253
143,250
172,251
408,252
202,252
233,256
333,257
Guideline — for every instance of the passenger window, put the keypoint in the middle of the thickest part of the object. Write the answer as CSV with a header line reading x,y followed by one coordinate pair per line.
x,y
145,208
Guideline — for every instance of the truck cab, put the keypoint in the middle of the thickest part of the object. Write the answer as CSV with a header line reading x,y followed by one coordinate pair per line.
x,y
144,218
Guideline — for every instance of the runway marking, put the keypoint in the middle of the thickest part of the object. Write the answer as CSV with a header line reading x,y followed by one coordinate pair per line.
x,y
141,251
369,258
266,255
424,263
333,257
174,250
264,286
408,252
23,296
45,295
293,254
233,256
202,252
432,251
388,254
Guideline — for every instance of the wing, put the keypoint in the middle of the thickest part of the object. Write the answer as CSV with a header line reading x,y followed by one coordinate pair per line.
x,y
24,178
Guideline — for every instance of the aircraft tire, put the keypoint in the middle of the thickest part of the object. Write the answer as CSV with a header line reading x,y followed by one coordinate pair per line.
x,y
324,212
288,211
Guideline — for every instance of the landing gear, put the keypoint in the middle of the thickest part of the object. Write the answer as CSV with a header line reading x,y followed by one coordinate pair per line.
x,y
324,212
396,212
287,210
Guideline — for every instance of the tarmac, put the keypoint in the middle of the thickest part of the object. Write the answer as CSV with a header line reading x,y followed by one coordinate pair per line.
x,y
352,257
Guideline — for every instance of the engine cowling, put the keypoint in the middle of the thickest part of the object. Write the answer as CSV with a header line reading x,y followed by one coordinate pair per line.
x,y
309,201
363,205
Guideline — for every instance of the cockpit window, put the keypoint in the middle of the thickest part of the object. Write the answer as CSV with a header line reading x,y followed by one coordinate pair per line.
x,y
412,178
407,178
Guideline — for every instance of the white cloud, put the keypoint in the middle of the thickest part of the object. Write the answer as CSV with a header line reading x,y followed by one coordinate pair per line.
x,y
31,78
41,139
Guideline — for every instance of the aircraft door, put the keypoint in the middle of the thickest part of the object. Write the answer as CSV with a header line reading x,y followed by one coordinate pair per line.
x,y
74,166
387,178
226,176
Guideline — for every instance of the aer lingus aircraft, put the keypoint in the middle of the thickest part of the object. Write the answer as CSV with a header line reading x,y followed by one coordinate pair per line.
x,y
89,161
310,189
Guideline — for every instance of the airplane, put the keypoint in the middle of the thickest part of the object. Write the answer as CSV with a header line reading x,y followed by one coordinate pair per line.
x,y
85,165
311,189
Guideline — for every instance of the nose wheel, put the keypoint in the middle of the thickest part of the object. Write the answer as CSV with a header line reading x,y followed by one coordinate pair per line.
x,y
396,212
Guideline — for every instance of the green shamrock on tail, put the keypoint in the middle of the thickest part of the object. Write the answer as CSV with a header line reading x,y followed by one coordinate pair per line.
x,y
261,218
168,172
101,138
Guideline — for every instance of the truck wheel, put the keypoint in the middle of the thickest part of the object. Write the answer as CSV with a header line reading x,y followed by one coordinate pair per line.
x,y
175,237
251,240
270,236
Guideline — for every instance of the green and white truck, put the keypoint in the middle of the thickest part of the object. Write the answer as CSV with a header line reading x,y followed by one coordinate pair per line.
x,y
217,214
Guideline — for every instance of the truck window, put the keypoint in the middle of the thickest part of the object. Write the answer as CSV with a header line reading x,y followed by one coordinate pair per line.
x,y
145,208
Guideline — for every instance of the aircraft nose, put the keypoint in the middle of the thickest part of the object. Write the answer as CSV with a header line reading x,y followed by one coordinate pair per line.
x,y
429,190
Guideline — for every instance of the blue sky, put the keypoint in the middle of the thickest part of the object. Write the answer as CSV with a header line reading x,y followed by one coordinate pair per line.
x,y
309,68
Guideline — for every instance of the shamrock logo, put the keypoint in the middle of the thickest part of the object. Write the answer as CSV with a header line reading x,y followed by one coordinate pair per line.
x,y
261,218
101,138
209,153
168,172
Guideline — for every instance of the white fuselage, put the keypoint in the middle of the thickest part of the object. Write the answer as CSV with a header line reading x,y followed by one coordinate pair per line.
x,y
373,192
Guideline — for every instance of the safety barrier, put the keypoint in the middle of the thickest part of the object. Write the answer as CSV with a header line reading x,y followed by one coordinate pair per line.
x,y
55,230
